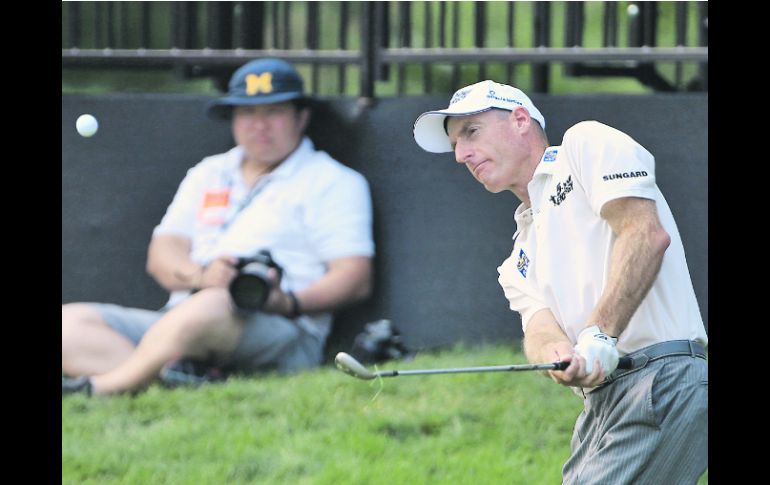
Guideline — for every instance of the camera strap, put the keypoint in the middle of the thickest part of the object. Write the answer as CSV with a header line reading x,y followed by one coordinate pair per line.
x,y
258,187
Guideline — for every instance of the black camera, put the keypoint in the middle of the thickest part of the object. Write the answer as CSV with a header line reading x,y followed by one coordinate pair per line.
x,y
251,286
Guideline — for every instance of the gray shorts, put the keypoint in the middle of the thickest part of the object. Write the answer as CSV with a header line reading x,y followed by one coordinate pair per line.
x,y
647,427
268,342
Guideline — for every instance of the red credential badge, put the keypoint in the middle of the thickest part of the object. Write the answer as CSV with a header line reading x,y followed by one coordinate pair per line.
x,y
214,207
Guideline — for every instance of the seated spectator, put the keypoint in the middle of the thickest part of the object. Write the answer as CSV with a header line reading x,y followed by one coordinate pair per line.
x,y
272,196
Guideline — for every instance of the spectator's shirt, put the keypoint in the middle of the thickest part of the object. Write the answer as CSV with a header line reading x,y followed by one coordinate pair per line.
x,y
308,211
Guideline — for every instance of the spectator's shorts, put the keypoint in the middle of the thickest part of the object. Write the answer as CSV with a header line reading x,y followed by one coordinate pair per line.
x,y
268,342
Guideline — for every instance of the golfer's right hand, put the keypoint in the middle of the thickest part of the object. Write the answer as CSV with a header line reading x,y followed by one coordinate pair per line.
x,y
575,374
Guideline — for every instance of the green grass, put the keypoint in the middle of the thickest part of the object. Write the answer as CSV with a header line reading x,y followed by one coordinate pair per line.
x,y
324,427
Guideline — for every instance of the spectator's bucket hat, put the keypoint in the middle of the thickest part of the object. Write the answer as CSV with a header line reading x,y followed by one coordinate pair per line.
x,y
262,81
430,128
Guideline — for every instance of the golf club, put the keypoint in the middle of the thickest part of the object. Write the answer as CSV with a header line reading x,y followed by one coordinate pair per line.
x,y
346,363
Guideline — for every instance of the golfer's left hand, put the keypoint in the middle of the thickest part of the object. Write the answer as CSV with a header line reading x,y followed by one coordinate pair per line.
x,y
595,345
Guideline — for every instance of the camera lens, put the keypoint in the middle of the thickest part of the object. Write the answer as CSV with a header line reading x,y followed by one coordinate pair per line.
x,y
249,291
251,286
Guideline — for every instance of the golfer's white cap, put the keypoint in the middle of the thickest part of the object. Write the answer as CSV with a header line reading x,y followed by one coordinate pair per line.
x,y
429,131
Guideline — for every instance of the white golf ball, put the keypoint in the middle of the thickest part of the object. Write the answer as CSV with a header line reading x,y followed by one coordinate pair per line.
x,y
86,125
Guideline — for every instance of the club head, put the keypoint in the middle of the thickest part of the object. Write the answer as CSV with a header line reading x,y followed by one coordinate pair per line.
x,y
351,366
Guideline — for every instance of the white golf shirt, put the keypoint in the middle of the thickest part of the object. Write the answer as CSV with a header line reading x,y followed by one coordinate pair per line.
x,y
561,249
311,209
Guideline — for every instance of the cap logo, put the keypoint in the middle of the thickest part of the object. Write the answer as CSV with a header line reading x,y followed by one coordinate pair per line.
x,y
492,95
459,96
262,83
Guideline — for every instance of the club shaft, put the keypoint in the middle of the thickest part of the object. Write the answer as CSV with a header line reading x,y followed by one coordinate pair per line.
x,y
461,370
351,366
623,363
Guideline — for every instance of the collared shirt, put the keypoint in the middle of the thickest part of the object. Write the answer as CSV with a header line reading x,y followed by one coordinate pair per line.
x,y
310,210
562,247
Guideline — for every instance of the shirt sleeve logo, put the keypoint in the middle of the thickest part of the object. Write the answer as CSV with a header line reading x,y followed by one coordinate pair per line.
x,y
624,175
523,263
562,189
550,155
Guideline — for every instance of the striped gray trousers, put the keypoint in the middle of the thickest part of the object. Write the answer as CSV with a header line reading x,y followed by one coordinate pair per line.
x,y
648,427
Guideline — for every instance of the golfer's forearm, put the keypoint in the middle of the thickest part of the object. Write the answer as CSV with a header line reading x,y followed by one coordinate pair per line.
x,y
544,340
637,255
634,266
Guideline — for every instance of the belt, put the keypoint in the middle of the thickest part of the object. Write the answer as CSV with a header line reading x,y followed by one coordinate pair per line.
x,y
642,357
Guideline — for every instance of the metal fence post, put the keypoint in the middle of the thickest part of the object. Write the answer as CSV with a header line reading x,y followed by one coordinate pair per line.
x,y
573,32
479,32
74,24
252,25
371,14
183,21
540,71
144,28
703,40
343,45
313,40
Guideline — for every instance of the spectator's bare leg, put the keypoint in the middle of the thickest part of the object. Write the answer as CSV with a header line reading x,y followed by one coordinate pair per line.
x,y
88,345
200,326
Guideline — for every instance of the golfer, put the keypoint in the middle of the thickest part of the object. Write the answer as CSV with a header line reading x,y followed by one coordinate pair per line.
x,y
597,271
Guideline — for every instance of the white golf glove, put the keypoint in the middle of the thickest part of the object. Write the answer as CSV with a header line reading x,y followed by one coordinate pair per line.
x,y
594,344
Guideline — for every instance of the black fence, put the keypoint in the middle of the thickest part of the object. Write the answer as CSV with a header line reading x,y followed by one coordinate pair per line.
x,y
421,47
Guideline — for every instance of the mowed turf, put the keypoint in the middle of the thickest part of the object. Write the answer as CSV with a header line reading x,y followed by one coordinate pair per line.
x,y
325,427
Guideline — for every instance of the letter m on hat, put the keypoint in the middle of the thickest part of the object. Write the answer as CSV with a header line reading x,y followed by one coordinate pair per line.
x,y
256,84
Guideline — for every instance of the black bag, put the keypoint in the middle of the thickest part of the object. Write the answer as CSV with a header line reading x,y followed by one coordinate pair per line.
x,y
380,341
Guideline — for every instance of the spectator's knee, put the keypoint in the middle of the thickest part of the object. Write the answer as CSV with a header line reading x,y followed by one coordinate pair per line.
x,y
209,313
77,322
215,295
75,315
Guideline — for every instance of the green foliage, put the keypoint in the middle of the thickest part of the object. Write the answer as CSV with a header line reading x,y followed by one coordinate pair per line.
x,y
324,427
